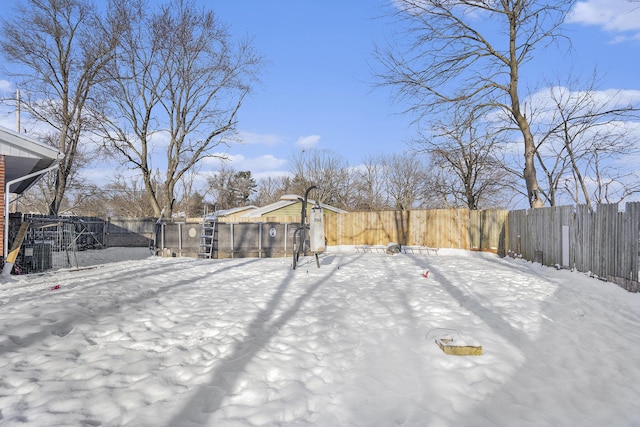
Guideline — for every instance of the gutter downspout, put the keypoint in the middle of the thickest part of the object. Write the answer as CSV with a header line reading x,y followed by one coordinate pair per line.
x,y
7,202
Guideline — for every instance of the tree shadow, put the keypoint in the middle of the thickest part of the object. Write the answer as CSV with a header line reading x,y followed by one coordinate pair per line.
x,y
132,273
63,327
208,397
493,320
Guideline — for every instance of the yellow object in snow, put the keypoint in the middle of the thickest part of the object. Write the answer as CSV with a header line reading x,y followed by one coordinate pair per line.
x,y
458,350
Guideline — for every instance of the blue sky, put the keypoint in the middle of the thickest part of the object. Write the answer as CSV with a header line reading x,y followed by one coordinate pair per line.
x,y
318,91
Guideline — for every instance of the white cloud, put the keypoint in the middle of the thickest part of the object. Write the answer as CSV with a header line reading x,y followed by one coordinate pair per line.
x,y
308,142
541,110
272,174
622,130
264,163
612,15
625,38
239,162
159,140
103,174
8,121
257,138
543,104
6,86
255,164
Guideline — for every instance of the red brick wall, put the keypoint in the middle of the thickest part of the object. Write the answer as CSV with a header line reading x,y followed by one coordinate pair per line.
x,y
1,205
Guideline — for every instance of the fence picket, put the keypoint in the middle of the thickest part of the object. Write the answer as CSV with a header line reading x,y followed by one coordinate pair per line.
x,y
604,242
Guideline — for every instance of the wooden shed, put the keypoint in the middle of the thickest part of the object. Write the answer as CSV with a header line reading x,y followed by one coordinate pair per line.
x,y
287,209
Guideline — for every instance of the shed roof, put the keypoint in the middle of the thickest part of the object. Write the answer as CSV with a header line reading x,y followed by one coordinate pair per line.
x,y
236,210
24,156
287,200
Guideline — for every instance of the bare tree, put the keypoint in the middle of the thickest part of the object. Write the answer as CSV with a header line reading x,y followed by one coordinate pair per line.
x,y
585,136
453,57
370,184
596,140
195,205
465,156
80,195
189,200
176,85
37,198
405,180
60,48
612,185
126,197
553,143
230,188
220,188
270,189
325,169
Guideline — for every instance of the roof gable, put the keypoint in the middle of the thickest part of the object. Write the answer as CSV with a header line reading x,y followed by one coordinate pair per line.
x,y
18,145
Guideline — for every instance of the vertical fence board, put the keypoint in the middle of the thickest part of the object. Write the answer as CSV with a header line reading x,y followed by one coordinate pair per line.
x,y
604,242
444,228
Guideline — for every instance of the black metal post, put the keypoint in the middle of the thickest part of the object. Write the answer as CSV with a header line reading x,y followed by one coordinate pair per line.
x,y
303,226
303,219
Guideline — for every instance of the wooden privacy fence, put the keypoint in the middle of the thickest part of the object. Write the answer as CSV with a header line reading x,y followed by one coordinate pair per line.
x,y
604,242
441,228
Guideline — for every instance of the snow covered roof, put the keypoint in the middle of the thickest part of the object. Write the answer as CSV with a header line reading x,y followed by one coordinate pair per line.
x,y
227,212
287,200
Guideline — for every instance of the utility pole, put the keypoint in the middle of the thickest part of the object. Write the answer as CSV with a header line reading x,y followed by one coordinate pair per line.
x,y
18,110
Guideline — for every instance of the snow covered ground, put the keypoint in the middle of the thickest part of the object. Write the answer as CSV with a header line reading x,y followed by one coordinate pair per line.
x,y
251,342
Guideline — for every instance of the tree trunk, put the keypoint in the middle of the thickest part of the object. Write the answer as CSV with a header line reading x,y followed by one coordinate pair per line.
x,y
530,177
58,194
151,193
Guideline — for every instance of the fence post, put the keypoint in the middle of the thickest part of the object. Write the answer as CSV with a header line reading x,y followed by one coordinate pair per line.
x,y
231,233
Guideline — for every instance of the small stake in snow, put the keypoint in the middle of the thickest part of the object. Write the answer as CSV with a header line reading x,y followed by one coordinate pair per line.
x,y
425,274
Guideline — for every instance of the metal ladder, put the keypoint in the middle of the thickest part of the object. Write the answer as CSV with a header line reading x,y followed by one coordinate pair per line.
x,y
209,238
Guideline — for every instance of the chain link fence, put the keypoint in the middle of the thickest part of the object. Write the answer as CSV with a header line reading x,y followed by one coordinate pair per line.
x,y
53,242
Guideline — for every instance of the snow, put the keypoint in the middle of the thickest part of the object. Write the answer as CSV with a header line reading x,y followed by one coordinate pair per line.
x,y
250,342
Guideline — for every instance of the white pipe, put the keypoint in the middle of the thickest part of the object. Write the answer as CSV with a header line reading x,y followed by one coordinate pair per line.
x,y
7,192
